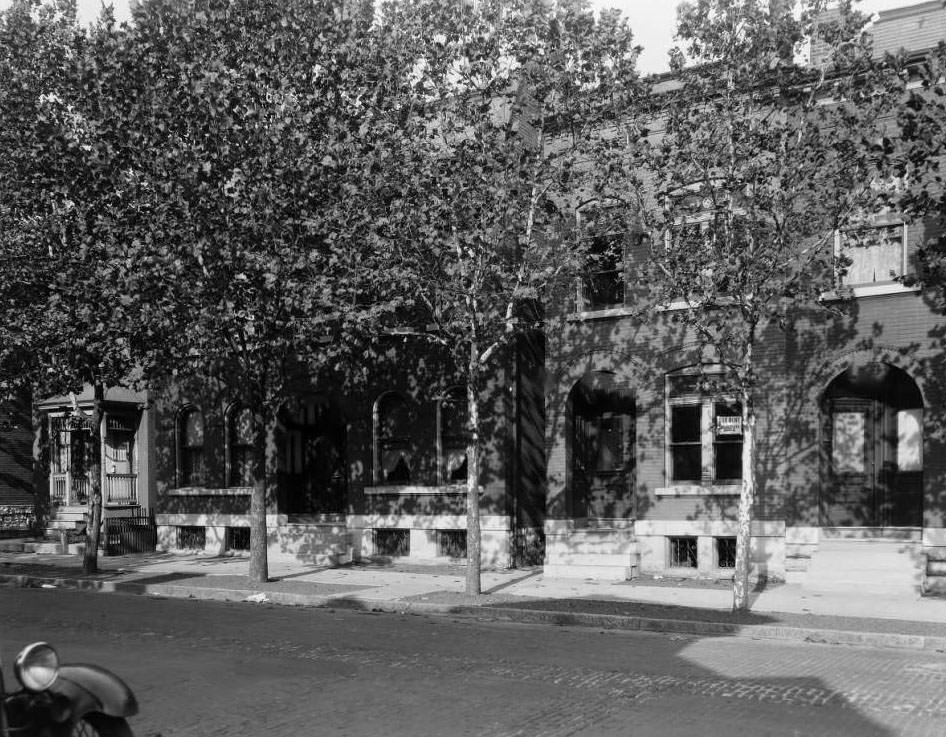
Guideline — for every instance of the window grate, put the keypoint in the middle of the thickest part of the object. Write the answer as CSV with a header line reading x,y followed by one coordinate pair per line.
x,y
451,543
683,552
191,538
238,538
726,552
392,543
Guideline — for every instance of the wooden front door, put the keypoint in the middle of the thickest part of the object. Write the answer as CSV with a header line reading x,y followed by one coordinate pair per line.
x,y
603,464
850,495
874,465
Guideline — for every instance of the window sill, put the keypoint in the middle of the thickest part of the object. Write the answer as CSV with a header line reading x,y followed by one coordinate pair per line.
x,y
601,313
869,290
414,489
203,491
699,490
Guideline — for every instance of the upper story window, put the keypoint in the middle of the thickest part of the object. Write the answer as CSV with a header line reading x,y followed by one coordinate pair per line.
x,y
704,433
394,461
191,469
604,234
872,254
241,441
454,436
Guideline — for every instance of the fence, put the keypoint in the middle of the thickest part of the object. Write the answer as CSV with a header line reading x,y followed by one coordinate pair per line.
x,y
130,535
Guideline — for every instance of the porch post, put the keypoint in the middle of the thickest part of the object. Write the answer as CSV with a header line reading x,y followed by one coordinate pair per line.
x,y
103,467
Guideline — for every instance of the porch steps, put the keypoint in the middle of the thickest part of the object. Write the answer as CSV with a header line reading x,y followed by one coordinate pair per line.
x,y
40,545
67,517
607,554
888,566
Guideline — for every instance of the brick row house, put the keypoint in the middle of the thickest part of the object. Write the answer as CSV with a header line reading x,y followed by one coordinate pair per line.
x,y
606,453
380,471
643,455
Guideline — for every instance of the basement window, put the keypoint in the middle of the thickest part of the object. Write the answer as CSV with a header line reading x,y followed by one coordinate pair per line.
x,y
392,543
238,538
191,538
683,552
726,552
451,543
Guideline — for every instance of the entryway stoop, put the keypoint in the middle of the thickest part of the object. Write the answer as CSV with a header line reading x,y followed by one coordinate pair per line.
x,y
887,562
607,554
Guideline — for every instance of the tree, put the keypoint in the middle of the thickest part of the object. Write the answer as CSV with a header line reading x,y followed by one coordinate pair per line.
x,y
498,103
916,159
750,163
254,124
65,217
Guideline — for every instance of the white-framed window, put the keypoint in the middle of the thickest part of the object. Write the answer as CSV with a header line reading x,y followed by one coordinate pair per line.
x,y
454,434
394,457
704,432
603,231
875,253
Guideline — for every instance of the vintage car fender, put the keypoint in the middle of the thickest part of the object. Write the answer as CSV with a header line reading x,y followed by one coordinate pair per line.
x,y
90,688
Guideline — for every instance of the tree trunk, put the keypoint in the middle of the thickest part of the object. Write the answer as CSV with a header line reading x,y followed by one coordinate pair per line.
x,y
263,470
740,584
473,479
90,557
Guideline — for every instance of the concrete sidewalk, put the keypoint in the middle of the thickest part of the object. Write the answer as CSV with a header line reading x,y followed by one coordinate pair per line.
x,y
783,611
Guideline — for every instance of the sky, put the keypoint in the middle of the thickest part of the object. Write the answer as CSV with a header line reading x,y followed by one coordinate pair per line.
x,y
652,22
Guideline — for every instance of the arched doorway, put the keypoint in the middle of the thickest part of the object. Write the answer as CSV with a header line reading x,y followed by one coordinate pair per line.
x,y
872,449
602,448
314,464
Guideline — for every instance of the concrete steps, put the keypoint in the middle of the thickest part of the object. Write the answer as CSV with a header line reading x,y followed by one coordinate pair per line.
x,y
596,572
887,566
606,554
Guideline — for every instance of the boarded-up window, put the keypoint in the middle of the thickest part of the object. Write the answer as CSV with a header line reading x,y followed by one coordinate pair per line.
x,y
873,255
847,447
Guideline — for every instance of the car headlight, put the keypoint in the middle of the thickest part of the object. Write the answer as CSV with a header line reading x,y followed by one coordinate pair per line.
x,y
37,666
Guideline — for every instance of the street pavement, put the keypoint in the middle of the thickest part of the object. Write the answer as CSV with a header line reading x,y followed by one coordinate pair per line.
x,y
866,617
207,668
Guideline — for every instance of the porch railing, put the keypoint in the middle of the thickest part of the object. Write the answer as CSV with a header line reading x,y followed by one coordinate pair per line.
x,y
60,490
79,493
69,489
121,488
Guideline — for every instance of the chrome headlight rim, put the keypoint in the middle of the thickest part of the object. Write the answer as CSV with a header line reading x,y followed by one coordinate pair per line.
x,y
37,666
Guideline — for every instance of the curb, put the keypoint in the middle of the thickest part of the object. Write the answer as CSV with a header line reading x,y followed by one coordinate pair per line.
x,y
701,628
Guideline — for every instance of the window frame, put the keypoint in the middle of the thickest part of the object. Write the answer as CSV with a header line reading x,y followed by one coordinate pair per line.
x,y
232,467
878,222
381,443
445,442
194,452
584,300
707,403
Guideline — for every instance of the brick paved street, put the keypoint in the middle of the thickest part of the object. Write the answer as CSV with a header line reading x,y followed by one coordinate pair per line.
x,y
203,668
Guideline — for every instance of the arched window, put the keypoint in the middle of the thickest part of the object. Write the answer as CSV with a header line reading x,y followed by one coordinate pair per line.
x,y
394,459
241,443
454,436
191,460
